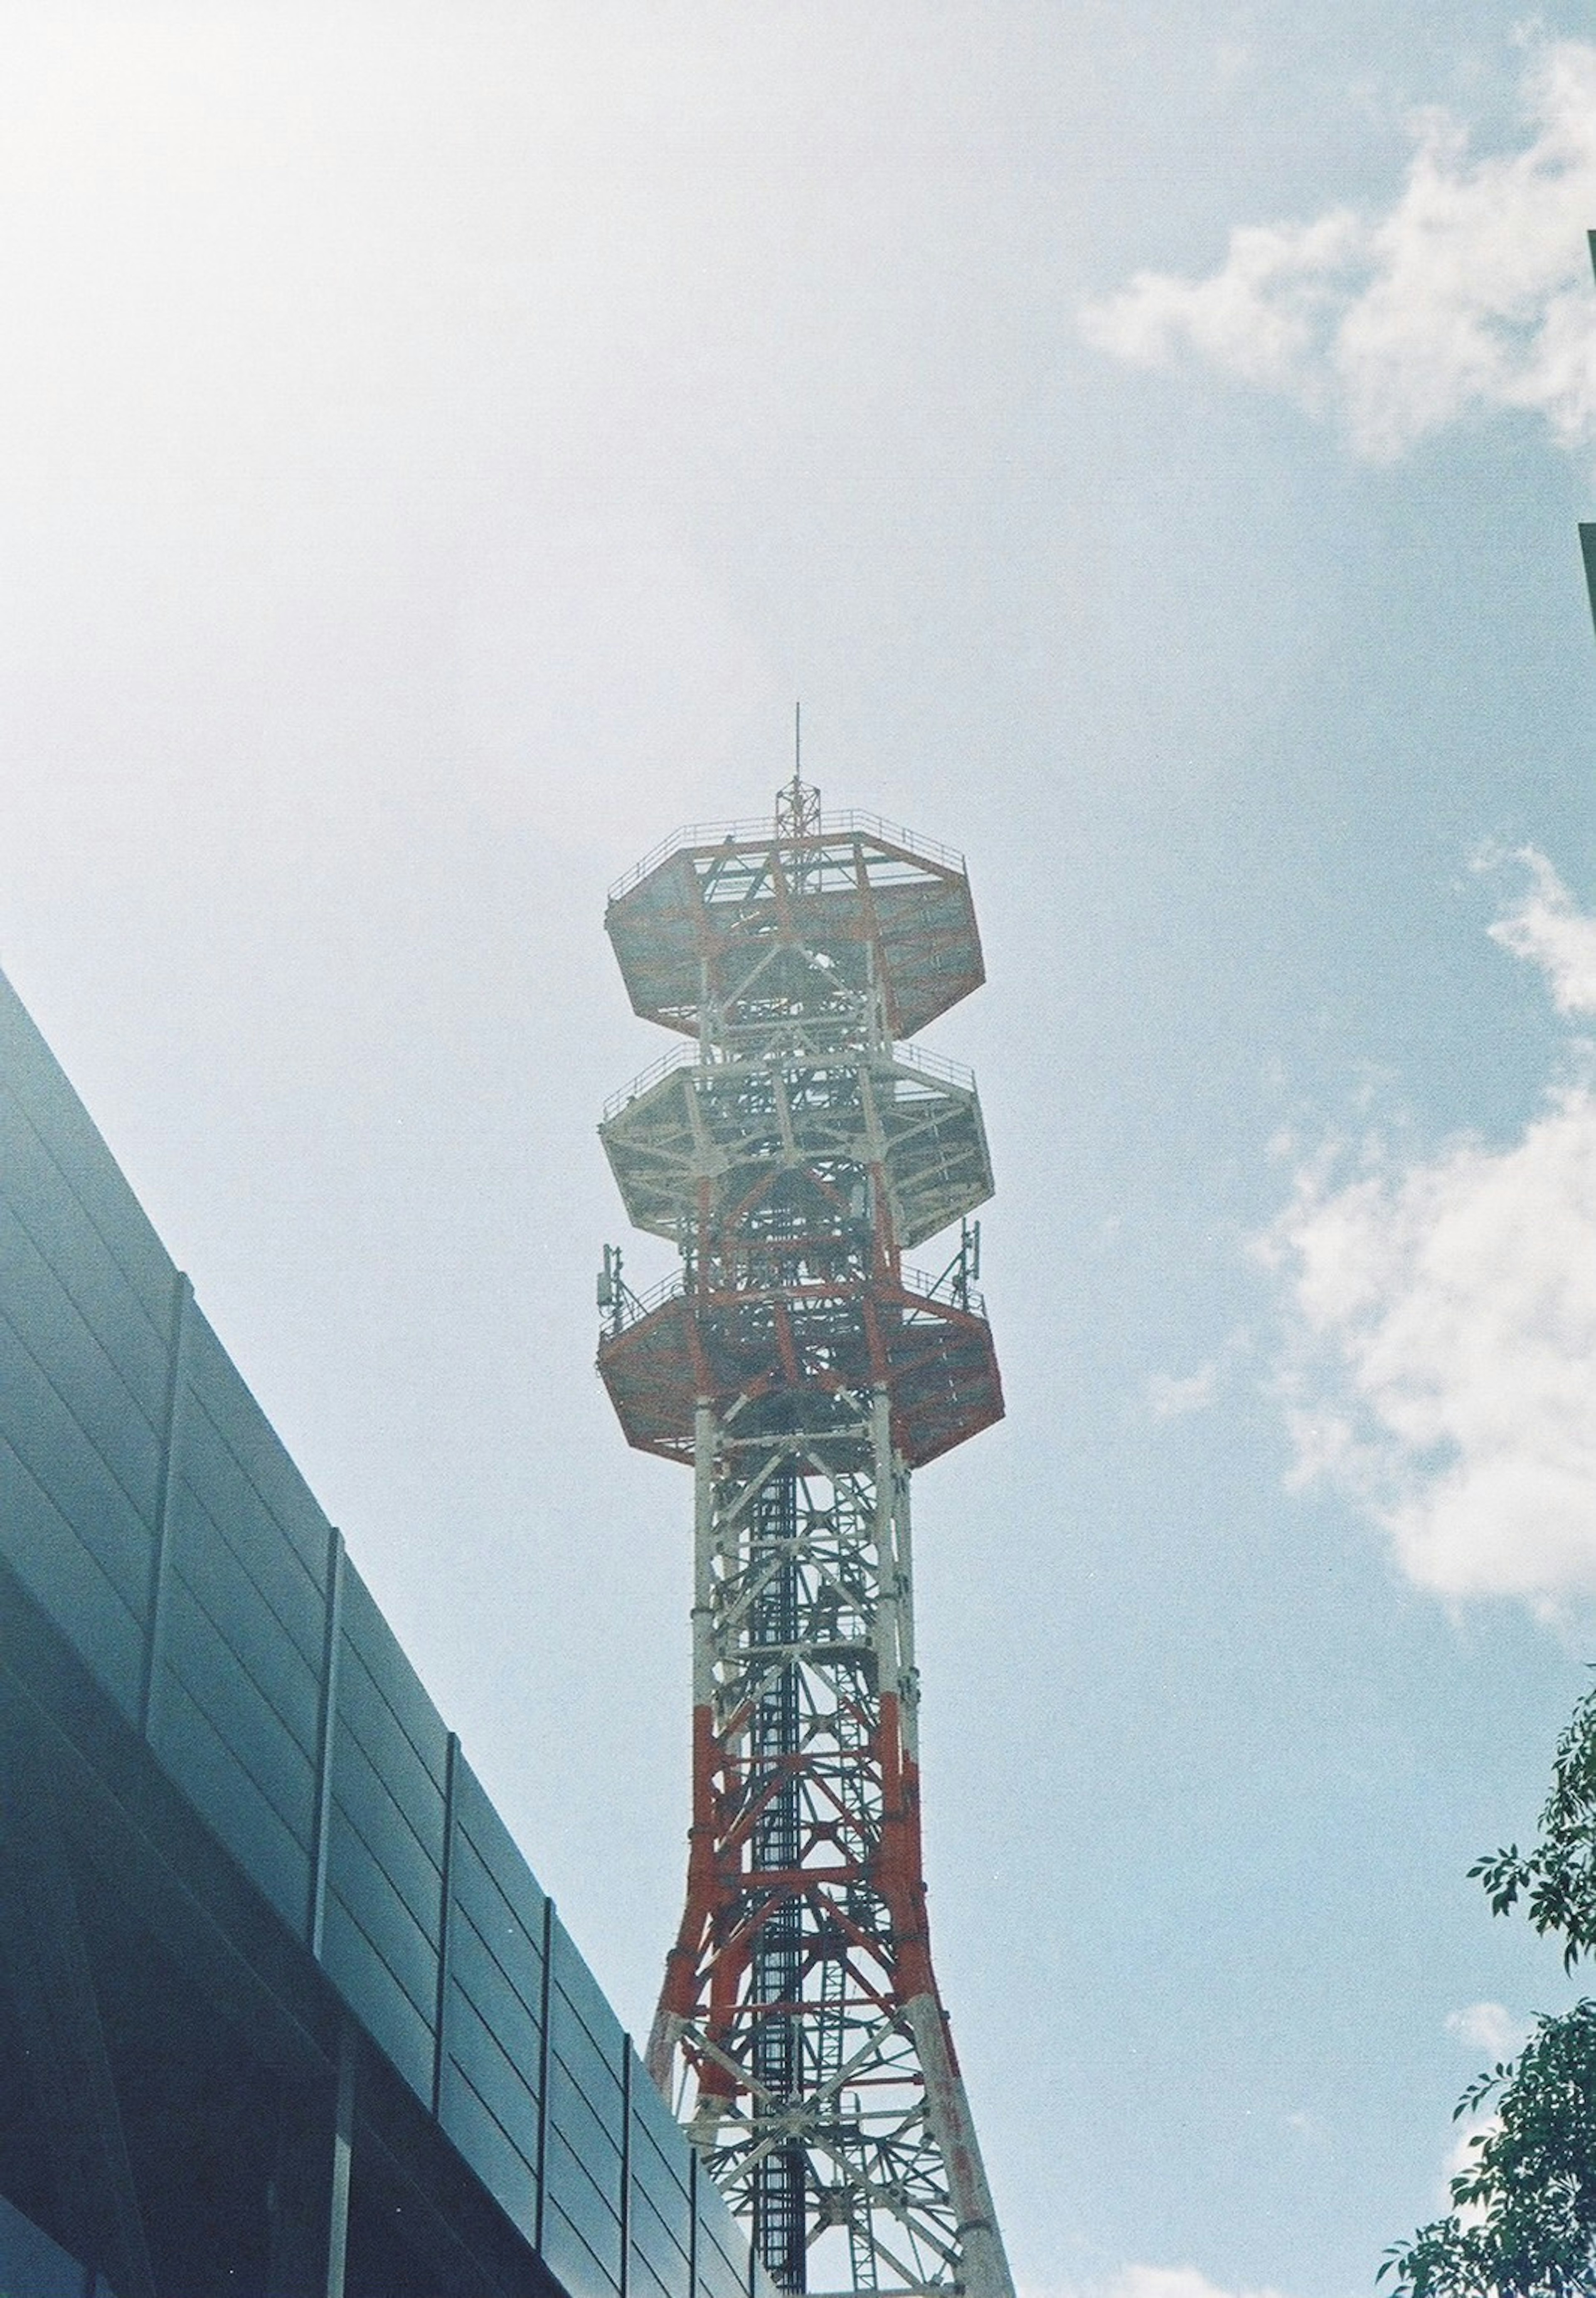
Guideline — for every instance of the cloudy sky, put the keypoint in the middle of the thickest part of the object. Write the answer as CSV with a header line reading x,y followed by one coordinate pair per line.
x,y
437,443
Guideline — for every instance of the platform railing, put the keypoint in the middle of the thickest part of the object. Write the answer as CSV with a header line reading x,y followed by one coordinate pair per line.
x,y
678,1056
934,1065
848,824
632,1307
946,1288
688,1056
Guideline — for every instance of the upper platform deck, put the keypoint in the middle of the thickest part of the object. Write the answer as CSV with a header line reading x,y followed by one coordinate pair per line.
x,y
684,922
913,1117
799,1350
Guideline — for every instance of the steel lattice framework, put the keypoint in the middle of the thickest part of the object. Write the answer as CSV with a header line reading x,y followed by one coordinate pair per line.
x,y
791,1152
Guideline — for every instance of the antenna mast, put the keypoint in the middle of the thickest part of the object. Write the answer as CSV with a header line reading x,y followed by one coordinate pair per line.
x,y
803,1371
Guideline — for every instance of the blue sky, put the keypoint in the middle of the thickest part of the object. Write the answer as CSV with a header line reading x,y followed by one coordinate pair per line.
x,y
436,446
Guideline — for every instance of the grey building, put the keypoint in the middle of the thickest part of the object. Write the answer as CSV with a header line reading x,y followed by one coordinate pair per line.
x,y
283,2010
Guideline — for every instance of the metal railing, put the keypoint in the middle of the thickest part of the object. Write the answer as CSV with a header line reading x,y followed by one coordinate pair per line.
x,y
681,1056
945,1288
934,1065
630,1308
678,1056
849,825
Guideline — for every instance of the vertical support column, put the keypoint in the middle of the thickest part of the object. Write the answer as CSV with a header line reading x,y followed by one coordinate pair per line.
x,y
343,2148
327,1724
308,2200
703,1439
445,1922
984,2269
772,1634
677,1996
904,1541
625,2164
156,1606
888,1589
543,2070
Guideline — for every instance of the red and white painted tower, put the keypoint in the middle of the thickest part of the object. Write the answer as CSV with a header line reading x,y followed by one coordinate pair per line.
x,y
792,1152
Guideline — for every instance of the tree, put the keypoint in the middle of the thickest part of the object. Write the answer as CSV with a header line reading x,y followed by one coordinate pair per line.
x,y
1524,2219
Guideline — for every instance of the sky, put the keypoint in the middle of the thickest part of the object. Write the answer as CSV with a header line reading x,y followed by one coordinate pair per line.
x,y
437,445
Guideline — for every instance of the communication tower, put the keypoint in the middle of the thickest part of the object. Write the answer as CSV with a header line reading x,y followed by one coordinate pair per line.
x,y
791,1152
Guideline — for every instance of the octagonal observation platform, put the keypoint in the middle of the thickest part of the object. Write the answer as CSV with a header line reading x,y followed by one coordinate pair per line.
x,y
681,920
792,1348
690,1118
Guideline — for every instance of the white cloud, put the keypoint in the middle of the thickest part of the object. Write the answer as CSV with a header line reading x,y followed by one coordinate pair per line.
x,y
1461,2156
1488,2027
1545,927
1470,291
1442,1328
1173,2282
1447,1314
1170,1398
1152,2282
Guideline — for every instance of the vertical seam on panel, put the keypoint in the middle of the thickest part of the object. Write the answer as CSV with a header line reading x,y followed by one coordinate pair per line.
x,y
625,2164
445,1919
543,2065
326,1727
692,2220
154,1650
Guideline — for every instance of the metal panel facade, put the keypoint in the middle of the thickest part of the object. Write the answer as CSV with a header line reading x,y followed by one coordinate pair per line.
x,y
492,2053
151,1512
384,1878
585,2145
661,2233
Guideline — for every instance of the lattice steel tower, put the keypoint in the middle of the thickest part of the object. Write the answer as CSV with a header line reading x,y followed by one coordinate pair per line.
x,y
791,1152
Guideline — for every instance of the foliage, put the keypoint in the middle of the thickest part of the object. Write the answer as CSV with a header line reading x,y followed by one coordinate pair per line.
x,y
1524,2219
